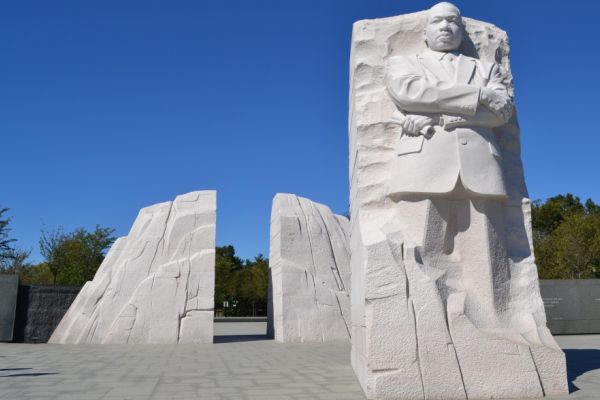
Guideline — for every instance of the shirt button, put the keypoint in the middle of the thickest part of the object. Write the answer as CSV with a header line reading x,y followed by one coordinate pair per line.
x,y
463,141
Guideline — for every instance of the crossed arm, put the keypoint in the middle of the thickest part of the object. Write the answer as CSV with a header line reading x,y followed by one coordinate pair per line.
x,y
449,105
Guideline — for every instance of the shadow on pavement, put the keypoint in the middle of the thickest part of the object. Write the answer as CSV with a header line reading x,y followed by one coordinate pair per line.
x,y
580,361
28,374
239,338
12,369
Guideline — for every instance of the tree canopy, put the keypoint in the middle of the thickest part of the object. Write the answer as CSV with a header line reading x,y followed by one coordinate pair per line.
x,y
6,249
73,258
566,237
240,286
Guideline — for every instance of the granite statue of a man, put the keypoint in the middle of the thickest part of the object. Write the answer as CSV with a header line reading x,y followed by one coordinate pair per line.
x,y
445,295
449,105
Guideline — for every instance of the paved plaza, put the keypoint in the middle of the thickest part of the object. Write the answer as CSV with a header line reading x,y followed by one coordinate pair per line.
x,y
242,364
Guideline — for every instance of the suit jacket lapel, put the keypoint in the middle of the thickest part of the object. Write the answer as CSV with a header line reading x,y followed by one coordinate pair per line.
x,y
465,69
435,67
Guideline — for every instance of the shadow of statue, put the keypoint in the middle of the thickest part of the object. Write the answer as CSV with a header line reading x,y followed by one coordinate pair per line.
x,y
239,338
580,361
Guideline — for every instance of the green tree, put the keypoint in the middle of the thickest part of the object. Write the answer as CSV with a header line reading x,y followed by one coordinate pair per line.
x,y
12,260
226,267
566,236
547,216
73,258
38,274
15,262
6,249
242,285
253,285
572,250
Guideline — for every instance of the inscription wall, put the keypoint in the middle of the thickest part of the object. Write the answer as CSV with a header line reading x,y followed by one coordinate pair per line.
x,y
572,305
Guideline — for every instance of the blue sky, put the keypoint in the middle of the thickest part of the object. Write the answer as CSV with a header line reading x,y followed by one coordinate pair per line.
x,y
109,106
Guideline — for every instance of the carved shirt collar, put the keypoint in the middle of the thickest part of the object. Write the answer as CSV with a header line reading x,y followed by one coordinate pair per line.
x,y
439,55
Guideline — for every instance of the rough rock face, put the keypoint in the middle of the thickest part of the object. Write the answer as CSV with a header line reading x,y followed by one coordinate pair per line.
x,y
410,340
309,272
156,285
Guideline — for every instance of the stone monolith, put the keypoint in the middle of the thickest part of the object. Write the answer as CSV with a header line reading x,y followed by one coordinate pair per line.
x,y
445,294
309,272
156,285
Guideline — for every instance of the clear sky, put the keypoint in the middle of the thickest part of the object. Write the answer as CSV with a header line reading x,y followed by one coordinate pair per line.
x,y
107,106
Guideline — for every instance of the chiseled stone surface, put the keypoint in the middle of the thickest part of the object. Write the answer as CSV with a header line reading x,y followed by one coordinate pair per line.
x,y
309,272
156,285
445,293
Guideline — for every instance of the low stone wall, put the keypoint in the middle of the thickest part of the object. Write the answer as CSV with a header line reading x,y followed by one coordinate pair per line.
x,y
39,310
572,305
8,299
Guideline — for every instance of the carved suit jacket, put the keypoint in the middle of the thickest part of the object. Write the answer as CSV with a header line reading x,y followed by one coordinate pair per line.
x,y
464,146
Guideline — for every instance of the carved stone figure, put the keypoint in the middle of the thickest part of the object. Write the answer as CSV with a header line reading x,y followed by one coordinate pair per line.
x,y
455,93
455,175
445,296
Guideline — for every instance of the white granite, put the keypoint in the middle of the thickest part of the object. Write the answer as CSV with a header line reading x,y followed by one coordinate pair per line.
x,y
445,294
309,272
156,285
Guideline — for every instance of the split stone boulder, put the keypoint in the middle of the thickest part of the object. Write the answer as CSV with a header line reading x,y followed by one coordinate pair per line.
x,y
309,272
156,285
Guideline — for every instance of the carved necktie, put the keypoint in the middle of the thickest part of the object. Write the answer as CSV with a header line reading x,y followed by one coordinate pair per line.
x,y
448,61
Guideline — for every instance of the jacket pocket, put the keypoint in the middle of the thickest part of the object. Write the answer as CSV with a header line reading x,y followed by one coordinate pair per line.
x,y
409,144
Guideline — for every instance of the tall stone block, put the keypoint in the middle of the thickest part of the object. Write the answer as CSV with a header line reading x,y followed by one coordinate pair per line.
x,y
156,285
445,298
309,272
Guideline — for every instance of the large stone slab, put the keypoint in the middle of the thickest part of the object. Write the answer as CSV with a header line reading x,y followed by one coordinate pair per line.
x,y
156,285
9,287
309,272
445,293
572,305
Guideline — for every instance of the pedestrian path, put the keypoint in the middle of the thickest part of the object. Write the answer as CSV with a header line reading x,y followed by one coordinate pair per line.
x,y
238,366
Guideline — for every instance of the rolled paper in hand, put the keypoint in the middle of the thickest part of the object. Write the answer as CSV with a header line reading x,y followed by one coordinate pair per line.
x,y
398,118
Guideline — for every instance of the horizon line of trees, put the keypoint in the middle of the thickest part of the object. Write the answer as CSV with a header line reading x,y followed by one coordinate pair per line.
x,y
72,258
566,239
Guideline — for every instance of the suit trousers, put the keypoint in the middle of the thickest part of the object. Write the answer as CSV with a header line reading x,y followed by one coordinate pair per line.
x,y
461,237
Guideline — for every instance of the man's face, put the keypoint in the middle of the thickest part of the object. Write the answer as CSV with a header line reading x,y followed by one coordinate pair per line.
x,y
444,30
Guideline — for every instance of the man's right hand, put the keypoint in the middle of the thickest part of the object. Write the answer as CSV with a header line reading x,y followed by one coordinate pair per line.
x,y
414,124
496,102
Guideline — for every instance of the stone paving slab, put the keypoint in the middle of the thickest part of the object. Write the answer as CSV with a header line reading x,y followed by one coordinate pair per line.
x,y
255,369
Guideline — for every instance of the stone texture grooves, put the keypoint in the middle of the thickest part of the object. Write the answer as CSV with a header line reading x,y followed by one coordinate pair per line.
x,y
156,285
309,272
406,343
